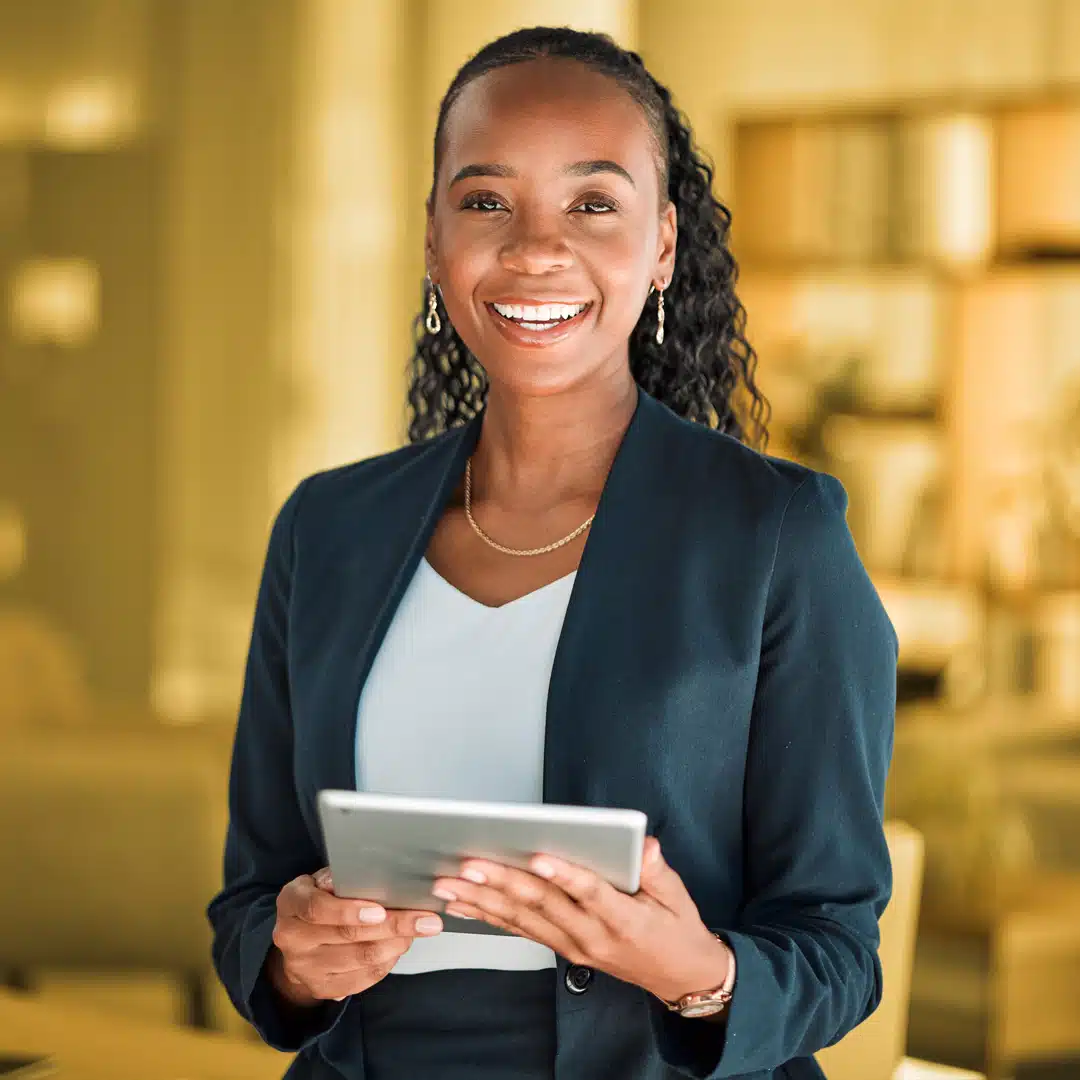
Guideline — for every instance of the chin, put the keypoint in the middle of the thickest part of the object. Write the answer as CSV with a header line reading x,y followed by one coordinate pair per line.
x,y
527,375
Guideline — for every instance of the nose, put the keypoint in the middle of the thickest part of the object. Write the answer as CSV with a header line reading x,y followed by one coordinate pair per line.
x,y
535,246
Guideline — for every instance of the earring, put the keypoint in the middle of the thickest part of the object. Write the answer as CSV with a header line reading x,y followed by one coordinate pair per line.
x,y
660,317
432,323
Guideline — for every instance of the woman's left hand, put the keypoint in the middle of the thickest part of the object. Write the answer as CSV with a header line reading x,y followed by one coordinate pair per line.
x,y
654,939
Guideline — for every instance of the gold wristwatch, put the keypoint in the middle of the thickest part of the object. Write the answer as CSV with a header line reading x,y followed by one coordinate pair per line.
x,y
701,1003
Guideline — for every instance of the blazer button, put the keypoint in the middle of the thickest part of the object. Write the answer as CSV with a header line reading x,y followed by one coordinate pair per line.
x,y
578,978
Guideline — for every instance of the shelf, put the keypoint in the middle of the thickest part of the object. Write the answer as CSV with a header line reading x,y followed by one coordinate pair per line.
x,y
903,105
953,190
934,621
948,273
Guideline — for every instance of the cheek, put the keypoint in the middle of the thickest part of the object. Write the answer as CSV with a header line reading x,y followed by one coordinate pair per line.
x,y
622,251
466,257
463,240
619,266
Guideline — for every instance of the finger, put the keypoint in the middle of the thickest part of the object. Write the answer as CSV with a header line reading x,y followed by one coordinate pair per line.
x,y
661,882
535,908
470,911
521,888
528,925
589,891
304,900
410,924
324,879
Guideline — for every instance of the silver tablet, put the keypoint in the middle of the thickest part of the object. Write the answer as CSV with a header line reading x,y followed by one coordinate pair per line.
x,y
390,848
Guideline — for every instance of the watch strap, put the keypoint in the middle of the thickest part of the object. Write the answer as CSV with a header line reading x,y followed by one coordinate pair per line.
x,y
720,995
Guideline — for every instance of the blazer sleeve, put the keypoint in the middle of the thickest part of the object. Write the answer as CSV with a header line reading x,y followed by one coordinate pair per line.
x,y
267,843
817,869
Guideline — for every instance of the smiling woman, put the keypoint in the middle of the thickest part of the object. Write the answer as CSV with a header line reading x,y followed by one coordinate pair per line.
x,y
581,583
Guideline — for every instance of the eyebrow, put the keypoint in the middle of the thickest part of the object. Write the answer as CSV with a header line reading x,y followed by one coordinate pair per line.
x,y
579,168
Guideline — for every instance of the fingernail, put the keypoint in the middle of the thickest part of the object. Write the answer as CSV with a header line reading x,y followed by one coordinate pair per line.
x,y
372,915
474,876
429,924
444,894
543,869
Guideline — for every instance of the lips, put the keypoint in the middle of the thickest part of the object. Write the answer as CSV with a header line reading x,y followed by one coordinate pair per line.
x,y
535,323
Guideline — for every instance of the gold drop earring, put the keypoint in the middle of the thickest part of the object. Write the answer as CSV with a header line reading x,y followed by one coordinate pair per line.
x,y
660,316
433,324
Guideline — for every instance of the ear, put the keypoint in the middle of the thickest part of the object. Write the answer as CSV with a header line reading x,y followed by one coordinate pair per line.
x,y
665,246
431,262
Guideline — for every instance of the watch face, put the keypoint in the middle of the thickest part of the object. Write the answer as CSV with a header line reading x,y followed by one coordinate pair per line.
x,y
705,1008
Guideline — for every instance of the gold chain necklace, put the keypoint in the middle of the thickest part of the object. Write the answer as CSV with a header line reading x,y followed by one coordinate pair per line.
x,y
506,550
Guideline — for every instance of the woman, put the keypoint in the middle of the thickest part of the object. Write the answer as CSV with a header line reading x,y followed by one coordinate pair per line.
x,y
577,585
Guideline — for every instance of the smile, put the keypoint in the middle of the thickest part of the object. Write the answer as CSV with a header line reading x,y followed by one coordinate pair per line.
x,y
539,321
539,317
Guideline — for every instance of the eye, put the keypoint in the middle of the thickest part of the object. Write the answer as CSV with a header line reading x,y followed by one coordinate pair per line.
x,y
483,201
596,205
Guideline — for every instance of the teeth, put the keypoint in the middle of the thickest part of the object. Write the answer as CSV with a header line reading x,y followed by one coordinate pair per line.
x,y
544,314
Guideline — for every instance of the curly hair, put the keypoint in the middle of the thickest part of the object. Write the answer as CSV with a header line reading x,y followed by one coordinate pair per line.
x,y
704,371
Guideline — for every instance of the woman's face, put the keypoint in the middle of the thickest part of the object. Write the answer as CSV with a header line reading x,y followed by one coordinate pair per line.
x,y
547,228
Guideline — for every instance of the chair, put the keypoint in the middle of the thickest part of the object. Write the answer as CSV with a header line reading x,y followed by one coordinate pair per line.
x,y
874,1050
1035,978
994,793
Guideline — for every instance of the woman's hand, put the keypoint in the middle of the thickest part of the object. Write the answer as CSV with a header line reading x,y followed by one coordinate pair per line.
x,y
328,947
654,939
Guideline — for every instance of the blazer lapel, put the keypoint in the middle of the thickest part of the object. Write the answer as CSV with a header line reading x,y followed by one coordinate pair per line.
x,y
625,547
407,506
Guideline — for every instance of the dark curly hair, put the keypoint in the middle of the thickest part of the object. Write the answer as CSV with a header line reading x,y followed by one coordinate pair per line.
x,y
704,371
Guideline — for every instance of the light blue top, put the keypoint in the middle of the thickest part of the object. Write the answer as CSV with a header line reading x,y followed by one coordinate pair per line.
x,y
454,707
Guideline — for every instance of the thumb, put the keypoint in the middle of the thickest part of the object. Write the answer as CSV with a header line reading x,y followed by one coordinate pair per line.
x,y
660,881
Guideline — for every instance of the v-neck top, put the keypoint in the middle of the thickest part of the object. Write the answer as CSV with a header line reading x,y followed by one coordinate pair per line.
x,y
454,707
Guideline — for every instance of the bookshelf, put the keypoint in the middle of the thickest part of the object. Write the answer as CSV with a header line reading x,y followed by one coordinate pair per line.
x,y
911,272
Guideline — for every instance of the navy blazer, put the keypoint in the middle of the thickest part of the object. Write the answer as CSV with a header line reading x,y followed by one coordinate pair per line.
x,y
725,665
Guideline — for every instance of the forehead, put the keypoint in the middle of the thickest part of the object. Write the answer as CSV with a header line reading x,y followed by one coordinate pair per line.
x,y
542,115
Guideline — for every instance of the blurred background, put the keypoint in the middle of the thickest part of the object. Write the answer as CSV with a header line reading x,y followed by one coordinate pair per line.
x,y
211,217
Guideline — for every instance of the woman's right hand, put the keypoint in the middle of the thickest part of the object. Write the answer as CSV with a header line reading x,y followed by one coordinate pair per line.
x,y
327,947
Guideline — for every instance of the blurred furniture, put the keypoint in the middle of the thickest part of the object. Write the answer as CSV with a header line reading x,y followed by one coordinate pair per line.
x,y
1038,177
914,1069
1035,977
110,849
992,789
90,1048
873,1050
1009,984
138,996
996,793
941,630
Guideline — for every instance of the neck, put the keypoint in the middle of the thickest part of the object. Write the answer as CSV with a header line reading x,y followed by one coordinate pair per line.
x,y
540,450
